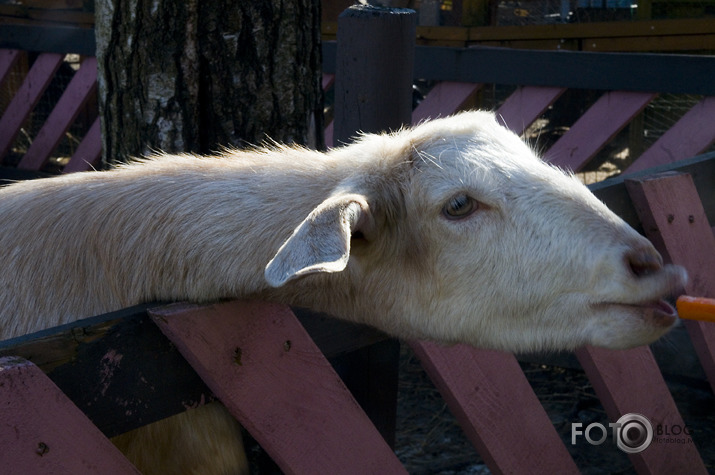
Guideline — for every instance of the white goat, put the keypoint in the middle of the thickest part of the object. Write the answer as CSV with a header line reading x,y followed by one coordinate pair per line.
x,y
451,231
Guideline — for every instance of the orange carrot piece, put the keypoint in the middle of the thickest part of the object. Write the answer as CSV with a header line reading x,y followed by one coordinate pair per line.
x,y
696,308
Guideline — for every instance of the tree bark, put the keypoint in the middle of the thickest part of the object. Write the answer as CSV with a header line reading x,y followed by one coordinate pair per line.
x,y
198,76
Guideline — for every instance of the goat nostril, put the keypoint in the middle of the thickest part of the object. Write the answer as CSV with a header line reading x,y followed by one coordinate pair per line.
x,y
644,262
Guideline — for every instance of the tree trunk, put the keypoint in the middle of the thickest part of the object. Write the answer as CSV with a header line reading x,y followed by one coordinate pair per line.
x,y
197,76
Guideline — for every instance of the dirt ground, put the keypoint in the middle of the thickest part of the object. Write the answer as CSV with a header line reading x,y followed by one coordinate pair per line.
x,y
430,442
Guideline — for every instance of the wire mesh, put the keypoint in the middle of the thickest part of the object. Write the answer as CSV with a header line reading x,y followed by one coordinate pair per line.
x,y
42,110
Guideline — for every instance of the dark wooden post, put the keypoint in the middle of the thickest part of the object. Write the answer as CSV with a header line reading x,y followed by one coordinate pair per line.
x,y
373,93
373,77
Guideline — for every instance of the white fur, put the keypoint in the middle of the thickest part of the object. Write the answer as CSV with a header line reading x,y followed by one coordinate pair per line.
x,y
541,264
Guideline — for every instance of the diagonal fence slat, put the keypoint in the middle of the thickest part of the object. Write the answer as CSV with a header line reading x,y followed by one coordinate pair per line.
x,y
26,97
675,220
496,407
42,431
78,92
691,135
264,367
596,127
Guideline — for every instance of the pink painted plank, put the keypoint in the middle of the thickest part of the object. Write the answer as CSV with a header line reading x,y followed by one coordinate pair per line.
x,y
525,105
629,381
497,409
8,58
444,99
601,122
89,150
329,131
261,363
79,90
674,218
691,135
328,81
43,432
25,99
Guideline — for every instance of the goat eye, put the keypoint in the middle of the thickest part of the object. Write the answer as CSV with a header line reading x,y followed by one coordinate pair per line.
x,y
459,207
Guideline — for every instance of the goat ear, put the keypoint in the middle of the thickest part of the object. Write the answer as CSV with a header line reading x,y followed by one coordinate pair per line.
x,y
321,243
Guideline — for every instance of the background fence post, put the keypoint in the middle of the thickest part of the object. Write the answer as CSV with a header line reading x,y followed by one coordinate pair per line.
x,y
374,69
373,93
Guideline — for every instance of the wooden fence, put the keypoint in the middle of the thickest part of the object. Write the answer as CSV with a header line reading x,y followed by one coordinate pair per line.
x,y
80,89
279,384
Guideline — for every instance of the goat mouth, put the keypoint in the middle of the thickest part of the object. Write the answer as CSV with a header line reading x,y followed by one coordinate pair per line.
x,y
658,313
655,313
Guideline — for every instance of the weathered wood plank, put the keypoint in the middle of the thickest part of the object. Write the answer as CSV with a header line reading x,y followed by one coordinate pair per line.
x,y
80,39
371,373
88,152
264,367
366,359
51,12
674,73
631,29
443,33
61,39
43,432
674,219
73,355
629,381
82,85
688,42
647,72
525,105
444,99
691,135
604,71
496,407
594,129
560,34
618,377
8,58
373,92
327,81
101,364
335,337
329,134
26,98
702,168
